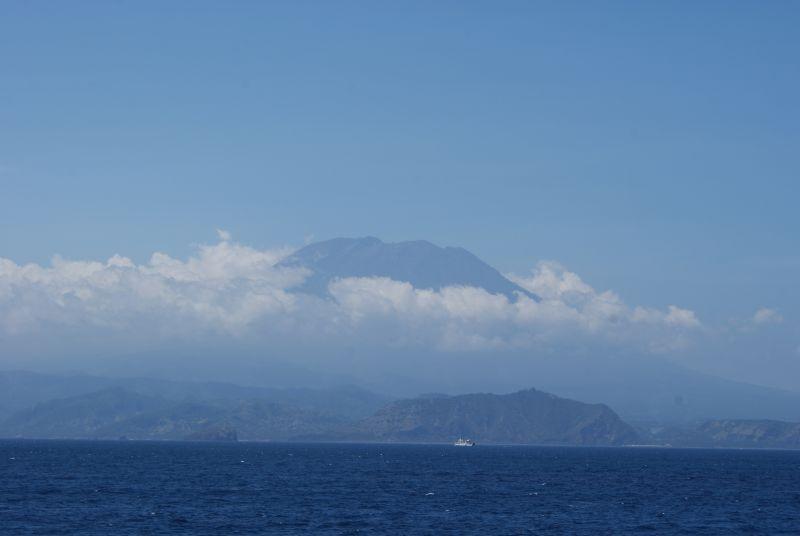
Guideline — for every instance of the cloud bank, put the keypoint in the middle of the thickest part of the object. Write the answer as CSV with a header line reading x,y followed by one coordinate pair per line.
x,y
229,291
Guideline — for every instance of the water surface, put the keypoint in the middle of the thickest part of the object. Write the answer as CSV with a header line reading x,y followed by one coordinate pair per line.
x,y
56,487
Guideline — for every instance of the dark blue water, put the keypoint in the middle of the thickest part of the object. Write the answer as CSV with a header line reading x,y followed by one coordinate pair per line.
x,y
54,487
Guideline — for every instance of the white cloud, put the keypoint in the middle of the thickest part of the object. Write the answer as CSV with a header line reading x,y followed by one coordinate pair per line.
x,y
565,295
231,290
223,287
681,317
765,315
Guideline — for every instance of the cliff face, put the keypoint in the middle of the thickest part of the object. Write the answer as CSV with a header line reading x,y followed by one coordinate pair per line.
x,y
525,417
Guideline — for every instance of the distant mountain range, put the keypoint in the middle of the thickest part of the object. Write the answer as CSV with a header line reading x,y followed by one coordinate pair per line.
x,y
116,412
140,408
23,390
419,262
83,406
179,412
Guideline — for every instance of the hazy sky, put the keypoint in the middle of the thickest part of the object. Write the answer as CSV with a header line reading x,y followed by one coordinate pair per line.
x,y
651,148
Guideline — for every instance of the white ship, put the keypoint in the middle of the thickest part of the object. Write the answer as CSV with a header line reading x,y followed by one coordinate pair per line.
x,y
461,442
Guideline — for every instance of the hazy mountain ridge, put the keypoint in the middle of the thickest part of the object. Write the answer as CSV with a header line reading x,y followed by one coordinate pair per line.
x,y
116,412
20,390
733,433
524,417
419,262
648,389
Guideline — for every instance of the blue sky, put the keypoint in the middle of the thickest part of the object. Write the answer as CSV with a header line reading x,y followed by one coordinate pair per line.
x,y
650,147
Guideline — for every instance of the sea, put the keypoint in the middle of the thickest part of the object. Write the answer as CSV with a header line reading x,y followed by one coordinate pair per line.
x,y
141,487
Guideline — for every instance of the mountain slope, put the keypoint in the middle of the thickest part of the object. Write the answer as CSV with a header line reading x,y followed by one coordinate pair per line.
x,y
116,412
81,416
21,390
652,390
420,263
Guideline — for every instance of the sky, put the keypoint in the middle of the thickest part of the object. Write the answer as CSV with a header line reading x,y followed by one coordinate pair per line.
x,y
649,148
